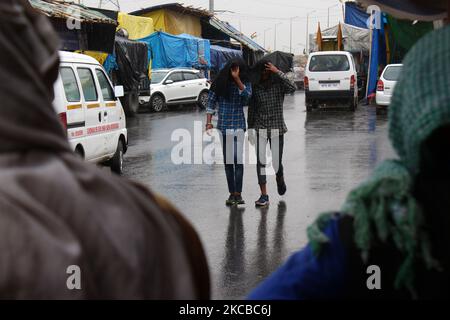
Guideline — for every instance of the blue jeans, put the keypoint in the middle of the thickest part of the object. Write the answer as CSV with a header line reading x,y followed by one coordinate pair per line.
x,y
233,150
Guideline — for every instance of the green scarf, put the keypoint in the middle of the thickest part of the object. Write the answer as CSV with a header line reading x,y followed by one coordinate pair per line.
x,y
383,207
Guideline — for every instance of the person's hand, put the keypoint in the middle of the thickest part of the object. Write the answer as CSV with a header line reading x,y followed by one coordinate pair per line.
x,y
270,67
235,72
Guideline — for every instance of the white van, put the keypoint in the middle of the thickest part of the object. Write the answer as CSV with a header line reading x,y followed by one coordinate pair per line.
x,y
89,108
330,76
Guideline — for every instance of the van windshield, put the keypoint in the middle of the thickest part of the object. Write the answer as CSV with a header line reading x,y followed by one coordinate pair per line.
x,y
329,63
158,76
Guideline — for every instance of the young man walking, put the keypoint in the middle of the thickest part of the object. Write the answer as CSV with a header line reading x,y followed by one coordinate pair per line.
x,y
265,116
230,93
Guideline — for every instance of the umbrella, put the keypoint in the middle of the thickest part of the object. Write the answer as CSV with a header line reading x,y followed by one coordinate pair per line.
x,y
423,10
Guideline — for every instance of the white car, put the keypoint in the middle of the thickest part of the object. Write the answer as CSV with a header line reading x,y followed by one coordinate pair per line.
x,y
89,108
177,86
330,76
386,84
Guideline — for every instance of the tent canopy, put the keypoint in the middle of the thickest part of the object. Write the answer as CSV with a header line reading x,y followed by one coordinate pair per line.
x,y
174,18
182,51
137,27
354,39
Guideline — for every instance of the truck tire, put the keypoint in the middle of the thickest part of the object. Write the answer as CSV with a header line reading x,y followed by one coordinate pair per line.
x,y
130,103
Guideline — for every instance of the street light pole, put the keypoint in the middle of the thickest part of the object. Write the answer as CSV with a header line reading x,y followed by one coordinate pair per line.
x,y
211,6
307,31
265,31
290,34
275,37
328,23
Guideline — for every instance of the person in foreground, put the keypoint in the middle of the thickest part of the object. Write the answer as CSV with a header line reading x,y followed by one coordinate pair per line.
x,y
391,239
266,117
58,213
230,92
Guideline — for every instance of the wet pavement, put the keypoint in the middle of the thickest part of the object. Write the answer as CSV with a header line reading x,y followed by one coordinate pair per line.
x,y
327,153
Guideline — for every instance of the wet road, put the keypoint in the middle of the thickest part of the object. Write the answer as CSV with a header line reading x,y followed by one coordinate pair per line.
x,y
327,153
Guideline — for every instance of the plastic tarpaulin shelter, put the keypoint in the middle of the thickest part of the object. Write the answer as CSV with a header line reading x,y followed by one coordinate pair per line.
x,y
182,51
137,27
422,10
221,55
405,34
175,22
132,62
355,16
354,39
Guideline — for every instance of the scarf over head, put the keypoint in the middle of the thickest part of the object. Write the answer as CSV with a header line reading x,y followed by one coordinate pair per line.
x,y
282,60
223,81
57,211
383,207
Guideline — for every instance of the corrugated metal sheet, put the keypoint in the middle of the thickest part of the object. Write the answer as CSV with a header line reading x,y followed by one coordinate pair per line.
x,y
235,34
178,7
70,10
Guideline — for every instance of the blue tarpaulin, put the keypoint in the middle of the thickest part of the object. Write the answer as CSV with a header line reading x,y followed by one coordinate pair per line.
x,y
358,18
355,16
221,55
182,51
110,63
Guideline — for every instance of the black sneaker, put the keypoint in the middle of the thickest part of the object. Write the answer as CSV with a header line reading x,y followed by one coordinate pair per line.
x,y
281,186
238,200
231,201
263,201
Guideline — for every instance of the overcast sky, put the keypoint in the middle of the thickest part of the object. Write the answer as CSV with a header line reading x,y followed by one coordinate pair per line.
x,y
259,16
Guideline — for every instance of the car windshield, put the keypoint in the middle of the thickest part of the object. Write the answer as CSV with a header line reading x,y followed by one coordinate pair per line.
x,y
327,63
392,73
158,76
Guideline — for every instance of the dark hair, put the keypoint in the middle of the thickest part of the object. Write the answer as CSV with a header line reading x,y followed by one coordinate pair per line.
x,y
221,85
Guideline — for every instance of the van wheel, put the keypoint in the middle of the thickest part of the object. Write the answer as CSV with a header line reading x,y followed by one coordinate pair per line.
x,y
157,103
131,103
203,99
117,160
353,104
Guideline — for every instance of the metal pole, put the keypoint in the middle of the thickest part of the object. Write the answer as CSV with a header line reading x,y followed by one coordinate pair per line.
x,y
275,39
290,37
328,21
211,6
307,32
265,31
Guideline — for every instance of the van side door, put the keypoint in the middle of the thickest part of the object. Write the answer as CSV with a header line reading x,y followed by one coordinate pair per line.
x,y
72,104
93,110
111,111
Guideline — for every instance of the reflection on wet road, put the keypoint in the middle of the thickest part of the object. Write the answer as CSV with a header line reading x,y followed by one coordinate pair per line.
x,y
327,153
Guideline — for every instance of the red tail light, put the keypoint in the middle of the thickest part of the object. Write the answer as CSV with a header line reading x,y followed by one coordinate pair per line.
x,y
380,85
63,119
306,83
352,82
